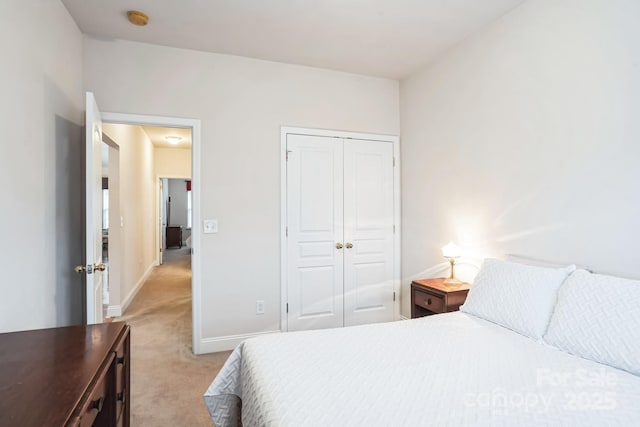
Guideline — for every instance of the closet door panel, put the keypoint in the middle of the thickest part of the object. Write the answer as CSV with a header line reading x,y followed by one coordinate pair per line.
x,y
368,222
314,218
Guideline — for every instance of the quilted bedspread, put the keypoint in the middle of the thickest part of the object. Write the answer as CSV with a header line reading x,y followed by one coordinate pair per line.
x,y
450,369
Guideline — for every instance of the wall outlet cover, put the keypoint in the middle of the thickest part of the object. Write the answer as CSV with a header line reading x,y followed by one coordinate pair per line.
x,y
210,226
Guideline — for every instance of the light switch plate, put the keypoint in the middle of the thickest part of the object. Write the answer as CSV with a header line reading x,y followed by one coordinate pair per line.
x,y
210,226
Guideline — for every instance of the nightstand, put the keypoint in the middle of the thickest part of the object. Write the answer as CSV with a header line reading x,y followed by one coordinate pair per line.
x,y
432,296
174,236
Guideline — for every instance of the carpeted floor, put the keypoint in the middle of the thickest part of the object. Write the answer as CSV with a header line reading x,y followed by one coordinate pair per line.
x,y
167,380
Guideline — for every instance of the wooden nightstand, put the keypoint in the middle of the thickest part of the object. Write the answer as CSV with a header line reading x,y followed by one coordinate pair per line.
x,y
432,296
174,236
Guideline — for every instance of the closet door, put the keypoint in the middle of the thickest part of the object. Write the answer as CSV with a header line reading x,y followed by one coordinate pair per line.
x,y
315,231
368,232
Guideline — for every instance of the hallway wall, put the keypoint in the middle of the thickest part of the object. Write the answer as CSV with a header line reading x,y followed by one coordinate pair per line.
x,y
172,162
137,208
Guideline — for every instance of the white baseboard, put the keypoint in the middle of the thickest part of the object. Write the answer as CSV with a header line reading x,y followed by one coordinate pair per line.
x,y
229,342
135,290
114,311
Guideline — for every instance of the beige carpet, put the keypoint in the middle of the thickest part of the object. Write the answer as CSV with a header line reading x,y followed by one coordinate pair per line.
x,y
167,380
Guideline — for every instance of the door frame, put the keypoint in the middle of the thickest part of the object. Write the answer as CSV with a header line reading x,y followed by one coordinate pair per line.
x,y
196,191
160,210
114,240
393,139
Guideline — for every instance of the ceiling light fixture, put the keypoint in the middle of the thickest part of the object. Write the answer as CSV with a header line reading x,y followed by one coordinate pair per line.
x,y
173,139
137,18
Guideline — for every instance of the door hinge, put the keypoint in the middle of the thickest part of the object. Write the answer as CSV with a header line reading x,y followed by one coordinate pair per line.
x,y
394,296
286,157
394,229
287,307
394,162
286,231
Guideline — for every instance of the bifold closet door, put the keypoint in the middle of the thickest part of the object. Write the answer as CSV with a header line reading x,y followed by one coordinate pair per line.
x,y
368,232
315,230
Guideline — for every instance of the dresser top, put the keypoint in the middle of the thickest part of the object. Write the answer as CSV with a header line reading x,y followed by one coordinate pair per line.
x,y
45,373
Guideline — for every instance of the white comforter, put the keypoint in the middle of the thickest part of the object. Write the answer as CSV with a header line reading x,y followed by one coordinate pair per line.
x,y
450,369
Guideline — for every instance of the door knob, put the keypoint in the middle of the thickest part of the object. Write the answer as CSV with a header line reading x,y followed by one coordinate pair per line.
x,y
338,245
99,267
349,245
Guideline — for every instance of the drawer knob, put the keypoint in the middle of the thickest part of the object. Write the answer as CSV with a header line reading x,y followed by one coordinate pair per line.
x,y
120,360
122,396
98,404
427,301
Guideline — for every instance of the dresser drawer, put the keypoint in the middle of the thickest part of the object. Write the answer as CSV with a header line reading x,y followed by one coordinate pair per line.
x,y
433,303
122,367
97,408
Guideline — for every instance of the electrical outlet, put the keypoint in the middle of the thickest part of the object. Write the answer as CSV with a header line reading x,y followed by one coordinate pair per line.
x,y
260,306
210,226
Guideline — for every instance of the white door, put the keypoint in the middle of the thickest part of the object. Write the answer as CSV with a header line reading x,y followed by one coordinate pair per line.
x,y
93,244
315,229
340,236
368,232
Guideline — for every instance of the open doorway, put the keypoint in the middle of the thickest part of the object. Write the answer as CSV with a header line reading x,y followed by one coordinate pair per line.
x,y
120,303
175,217
151,156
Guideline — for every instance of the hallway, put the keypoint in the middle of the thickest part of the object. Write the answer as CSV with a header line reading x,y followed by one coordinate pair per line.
x,y
167,380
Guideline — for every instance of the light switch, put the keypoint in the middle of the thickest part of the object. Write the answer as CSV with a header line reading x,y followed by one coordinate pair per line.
x,y
210,226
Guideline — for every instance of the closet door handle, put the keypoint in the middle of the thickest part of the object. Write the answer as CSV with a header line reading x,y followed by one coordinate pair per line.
x,y
349,245
338,245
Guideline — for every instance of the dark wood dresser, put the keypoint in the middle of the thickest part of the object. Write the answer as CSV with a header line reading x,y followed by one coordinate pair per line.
x,y
174,236
72,376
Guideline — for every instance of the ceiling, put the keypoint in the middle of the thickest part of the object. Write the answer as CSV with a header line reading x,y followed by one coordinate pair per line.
x,y
384,38
158,135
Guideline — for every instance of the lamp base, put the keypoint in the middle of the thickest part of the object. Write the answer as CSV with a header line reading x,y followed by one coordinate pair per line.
x,y
452,281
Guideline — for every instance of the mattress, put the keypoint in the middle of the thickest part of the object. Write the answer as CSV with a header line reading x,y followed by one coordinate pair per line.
x,y
450,369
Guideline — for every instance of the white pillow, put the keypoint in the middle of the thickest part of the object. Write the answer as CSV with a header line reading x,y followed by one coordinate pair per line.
x,y
517,296
597,317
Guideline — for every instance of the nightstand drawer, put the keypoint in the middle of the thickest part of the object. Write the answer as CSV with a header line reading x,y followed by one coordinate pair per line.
x,y
433,303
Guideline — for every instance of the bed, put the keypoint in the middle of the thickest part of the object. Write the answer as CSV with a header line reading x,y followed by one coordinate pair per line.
x,y
543,355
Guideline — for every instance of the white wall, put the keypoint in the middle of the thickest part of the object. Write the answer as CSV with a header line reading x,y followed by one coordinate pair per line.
x,y
40,165
524,140
242,103
172,162
137,208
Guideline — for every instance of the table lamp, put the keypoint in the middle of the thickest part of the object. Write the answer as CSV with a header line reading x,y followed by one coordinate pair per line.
x,y
452,251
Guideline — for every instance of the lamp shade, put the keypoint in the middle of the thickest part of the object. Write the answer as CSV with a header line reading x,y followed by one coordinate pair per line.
x,y
451,250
